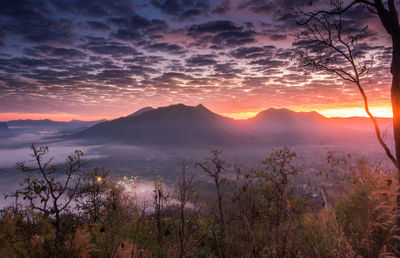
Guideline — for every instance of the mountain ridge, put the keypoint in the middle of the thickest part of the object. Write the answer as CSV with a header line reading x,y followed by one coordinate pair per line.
x,y
180,124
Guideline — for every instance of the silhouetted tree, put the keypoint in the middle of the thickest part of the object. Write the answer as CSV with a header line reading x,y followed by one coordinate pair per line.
x,y
336,49
213,166
160,199
92,193
188,228
49,193
388,16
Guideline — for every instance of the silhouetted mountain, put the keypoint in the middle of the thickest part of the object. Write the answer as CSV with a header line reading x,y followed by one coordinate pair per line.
x,y
48,127
30,122
172,125
140,111
48,122
198,126
283,126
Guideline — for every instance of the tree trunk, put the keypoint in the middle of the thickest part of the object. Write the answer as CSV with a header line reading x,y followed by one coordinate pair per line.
x,y
57,243
221,211
395,92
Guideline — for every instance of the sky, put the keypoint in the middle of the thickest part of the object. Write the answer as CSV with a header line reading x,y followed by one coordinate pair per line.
x,y
95,59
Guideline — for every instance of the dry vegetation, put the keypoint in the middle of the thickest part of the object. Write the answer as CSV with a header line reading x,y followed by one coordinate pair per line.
x,y
263,212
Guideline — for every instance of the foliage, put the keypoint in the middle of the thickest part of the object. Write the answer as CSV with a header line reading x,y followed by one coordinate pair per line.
x,y
266,214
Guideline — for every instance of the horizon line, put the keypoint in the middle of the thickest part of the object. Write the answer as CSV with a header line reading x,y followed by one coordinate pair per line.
x,y
67,117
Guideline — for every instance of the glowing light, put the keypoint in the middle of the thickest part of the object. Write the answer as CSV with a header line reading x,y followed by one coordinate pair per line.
x,y
99,179
348,112
240,115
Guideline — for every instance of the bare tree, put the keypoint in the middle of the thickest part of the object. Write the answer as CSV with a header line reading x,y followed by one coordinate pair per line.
x,y
188,220
388,16
92,193
213,166
337,50
47,193
343,57
160,200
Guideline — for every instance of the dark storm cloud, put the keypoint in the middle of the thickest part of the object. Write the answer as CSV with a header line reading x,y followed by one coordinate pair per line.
x,y
103,46
45,50
138,22
233,38
222,34
142,70
268,63
182,9
119,21
34,21
115,76
190,13
227,71
97,25
137,27
201,60
145,60
258,6
277,36
75,49
253,52
212,27
168,80
113,49
125,34
165,47
95,8
223,7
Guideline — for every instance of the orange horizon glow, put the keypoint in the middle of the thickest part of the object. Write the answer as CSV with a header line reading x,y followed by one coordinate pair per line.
x,y
64,117
357,112
385,111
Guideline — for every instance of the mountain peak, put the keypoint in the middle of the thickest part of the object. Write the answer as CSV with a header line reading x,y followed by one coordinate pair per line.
x,y
140,111
182,107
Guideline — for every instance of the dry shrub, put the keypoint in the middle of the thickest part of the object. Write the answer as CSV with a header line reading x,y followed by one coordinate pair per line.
x,y
367,213
81,246
323,236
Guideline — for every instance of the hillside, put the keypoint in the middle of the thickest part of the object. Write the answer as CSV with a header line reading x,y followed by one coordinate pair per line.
x,y
198,126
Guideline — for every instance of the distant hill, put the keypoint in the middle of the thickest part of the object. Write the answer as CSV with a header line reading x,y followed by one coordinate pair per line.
x,y
47,127
30,122
48,122
197,126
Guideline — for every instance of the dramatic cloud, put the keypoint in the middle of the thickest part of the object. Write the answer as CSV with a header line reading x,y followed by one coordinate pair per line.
x,y
108,58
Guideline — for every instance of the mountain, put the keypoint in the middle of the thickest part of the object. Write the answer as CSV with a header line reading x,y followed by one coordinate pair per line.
x,y
198,126
30,122
140,111
172,125
283,126
48,122
48,127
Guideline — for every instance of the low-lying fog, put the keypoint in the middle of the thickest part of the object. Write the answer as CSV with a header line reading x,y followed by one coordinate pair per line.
x,y
151,163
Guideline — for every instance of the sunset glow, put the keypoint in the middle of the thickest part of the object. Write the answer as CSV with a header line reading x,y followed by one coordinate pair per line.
x,y
107,62
359,112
